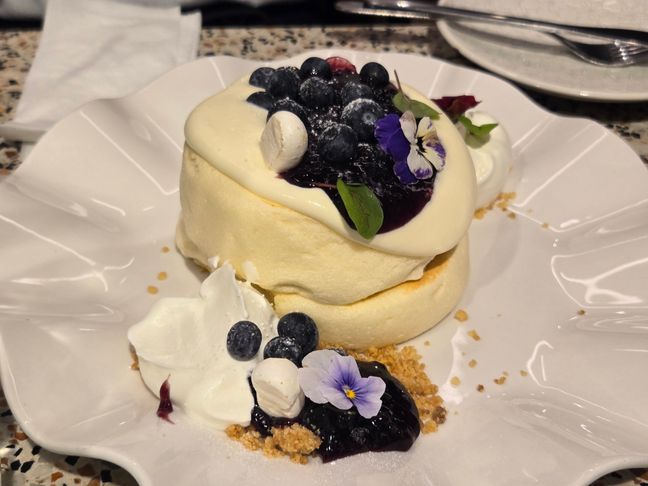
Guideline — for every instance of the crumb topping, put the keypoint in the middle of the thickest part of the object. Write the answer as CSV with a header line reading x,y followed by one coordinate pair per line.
x,y
501,202
500,381
461,315
295,442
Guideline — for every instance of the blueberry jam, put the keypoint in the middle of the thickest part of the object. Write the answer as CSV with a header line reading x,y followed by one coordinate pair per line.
x,y
324,98
346,432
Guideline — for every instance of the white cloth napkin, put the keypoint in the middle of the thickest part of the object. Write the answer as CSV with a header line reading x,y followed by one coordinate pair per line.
x,y
92,49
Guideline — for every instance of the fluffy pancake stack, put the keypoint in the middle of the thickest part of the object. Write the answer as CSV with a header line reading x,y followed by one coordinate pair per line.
x,y
292,243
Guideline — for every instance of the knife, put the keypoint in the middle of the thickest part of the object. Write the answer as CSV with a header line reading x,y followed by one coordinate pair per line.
x,y
416,9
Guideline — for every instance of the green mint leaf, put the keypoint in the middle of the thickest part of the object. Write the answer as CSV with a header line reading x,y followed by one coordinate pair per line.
x,y
481,132
363,208
404,103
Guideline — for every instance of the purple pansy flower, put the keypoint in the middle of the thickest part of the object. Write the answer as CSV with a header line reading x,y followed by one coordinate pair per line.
x,y
416,149
327,377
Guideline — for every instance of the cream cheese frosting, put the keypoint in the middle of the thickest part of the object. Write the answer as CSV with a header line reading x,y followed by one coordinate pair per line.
x,y
225,131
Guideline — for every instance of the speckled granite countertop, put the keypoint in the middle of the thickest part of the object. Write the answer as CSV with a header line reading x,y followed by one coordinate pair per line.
x,y
23,462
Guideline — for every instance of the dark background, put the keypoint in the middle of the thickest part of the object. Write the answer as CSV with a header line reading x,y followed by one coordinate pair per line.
x,y
234,14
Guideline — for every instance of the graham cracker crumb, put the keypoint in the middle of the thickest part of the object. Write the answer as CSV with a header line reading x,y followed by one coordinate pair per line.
x,y
524,373
481,212
455,381
162,276
426,343
545,225
165,249
472,363
501,202
511,215
480,388
135,364
295,442
504,198
581,312
505,373
473,334
500,381
461,315
152,289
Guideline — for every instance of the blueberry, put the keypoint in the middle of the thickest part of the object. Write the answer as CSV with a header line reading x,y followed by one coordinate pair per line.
x,y
361,115
284,347
291,106
243,340
262,99
354,90
374,74
316,93
315,66
301,328
284,83
261,77
337,143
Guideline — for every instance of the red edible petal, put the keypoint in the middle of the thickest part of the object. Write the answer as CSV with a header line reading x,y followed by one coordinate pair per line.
x,y
340,65
165,407
455,106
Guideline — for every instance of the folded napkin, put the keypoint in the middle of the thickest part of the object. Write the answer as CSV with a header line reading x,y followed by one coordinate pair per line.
x,y
92,49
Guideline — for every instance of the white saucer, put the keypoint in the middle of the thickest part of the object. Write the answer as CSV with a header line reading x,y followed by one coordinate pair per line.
x,y
540,62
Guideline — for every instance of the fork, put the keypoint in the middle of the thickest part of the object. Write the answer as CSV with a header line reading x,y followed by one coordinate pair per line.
x,y
616,53
613,54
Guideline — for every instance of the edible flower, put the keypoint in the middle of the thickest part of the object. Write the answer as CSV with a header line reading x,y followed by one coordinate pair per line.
x,y
455,106
166,407
327,377
415,148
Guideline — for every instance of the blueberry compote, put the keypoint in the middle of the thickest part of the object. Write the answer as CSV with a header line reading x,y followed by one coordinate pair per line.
x,y
346,432
327,97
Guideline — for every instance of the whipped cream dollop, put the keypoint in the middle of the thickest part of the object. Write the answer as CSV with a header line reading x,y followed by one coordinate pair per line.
x,y
184,339
492,157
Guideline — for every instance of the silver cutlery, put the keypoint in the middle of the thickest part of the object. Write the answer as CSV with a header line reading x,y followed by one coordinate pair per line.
x,y
623,47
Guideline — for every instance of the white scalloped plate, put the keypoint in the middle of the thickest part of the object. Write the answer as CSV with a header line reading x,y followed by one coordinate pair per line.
x,y
84,219
540,62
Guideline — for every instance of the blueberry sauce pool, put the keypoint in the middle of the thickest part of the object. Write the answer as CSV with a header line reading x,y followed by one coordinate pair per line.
x,y
345,432
369,164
